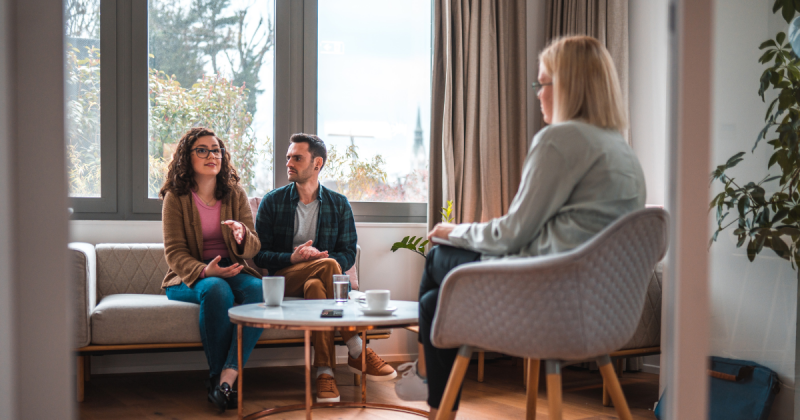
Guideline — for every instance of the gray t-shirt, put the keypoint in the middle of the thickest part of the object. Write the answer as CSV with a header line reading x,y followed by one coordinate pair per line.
x,y
305,223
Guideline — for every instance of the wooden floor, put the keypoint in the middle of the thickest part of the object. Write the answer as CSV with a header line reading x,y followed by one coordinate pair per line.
x,y
181,395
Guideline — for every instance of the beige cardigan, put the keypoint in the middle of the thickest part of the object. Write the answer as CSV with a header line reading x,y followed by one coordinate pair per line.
x,y
183,236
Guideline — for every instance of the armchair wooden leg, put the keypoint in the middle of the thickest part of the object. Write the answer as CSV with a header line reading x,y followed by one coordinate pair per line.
x,y
481,360
554,389
614,389
454,383
533,388
606,397
79,372
356,379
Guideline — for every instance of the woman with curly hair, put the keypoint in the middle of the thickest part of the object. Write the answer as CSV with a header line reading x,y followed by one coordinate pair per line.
x,y
208,233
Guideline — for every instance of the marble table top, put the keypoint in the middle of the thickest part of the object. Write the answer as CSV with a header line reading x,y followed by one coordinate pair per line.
x,y
306,313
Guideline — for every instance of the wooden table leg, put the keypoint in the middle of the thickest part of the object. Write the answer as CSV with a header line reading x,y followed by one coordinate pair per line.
x,y
364,366
308,373
240,367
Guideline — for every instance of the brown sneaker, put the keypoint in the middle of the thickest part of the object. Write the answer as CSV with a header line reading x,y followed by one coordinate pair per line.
x,y
377,369
326,389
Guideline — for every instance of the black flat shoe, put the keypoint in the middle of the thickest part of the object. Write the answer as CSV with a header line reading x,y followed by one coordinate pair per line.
x,y
233,400
220,396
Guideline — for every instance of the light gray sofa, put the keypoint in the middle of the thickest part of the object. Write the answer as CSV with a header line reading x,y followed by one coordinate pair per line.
x,y
121,307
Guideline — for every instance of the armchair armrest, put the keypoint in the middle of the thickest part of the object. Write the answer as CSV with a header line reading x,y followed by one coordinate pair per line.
x,y
84,276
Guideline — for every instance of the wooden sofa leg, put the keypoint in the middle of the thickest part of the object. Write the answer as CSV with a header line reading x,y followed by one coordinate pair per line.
x,y
533,389
87,368
79,373
554,389
481,360
356,379
614,388
454,383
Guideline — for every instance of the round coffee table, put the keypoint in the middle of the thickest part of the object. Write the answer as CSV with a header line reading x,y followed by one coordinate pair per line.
x,y
304,315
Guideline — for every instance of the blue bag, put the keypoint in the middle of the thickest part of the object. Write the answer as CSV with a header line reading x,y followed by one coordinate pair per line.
x,y
740,390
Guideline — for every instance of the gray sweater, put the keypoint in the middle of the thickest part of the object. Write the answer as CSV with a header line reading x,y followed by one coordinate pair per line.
x,y
576,180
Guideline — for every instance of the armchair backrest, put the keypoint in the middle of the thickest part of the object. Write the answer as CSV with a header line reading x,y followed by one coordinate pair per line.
x,y
574,305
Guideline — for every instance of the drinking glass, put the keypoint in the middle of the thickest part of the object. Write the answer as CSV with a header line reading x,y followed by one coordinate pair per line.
x,y
341,285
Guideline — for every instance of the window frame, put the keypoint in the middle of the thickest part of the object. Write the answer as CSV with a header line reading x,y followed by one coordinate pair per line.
x,y
124,112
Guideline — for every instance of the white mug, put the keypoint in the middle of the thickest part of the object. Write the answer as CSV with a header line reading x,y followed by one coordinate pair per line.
x,y
272,286
377,299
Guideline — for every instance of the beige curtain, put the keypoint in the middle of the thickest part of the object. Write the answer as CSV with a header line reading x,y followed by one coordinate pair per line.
x,y
478,107
606,20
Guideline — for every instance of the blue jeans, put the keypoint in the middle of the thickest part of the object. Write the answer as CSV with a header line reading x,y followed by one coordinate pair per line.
x,y
216,295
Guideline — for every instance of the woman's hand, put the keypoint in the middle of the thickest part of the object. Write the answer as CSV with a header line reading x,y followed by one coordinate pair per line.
x,y
441,230
238,230
214,270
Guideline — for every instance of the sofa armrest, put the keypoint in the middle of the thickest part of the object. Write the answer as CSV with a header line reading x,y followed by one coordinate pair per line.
x,y
84,276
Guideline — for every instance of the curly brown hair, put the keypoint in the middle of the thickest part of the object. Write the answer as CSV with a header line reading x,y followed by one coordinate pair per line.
x,y
180,177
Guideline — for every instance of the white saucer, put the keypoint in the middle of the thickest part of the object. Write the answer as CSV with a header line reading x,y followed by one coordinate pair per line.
x,y
377,312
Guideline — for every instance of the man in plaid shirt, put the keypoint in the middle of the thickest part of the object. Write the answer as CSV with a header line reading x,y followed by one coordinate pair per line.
x,y
307,235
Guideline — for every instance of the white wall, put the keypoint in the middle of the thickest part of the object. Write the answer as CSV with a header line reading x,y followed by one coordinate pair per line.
x,y
380,269
753,304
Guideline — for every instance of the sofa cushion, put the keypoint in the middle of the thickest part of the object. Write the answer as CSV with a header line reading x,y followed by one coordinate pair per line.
x,y
130,268
151,319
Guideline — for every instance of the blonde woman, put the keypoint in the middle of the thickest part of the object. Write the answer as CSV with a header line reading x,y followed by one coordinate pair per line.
x,y
208,233
578,177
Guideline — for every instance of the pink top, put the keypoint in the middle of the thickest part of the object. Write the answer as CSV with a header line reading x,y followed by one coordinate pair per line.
x,y
213,243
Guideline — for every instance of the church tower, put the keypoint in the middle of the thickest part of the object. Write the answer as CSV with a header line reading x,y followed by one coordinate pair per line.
x,y
420,157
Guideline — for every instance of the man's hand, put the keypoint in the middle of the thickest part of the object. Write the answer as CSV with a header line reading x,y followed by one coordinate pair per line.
x,y
214,270
441,230
306,252
238,230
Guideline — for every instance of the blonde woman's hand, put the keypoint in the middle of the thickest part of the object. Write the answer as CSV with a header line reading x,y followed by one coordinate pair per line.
x,y
214,270
441,230
238,230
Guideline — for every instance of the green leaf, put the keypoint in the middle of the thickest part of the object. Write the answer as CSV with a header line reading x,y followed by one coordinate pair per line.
x,y
421,247
782,36
779,246
767,43
768,55
751,250
777,5
788,14
743,206
734,160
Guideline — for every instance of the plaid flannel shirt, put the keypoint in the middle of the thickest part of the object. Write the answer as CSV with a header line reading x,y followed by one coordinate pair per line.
x,y
336,228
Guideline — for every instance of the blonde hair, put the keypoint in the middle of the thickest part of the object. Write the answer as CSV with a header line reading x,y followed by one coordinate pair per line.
x,y
585,82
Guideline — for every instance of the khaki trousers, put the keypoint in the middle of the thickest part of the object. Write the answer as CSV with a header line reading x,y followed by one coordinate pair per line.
x,y
314,280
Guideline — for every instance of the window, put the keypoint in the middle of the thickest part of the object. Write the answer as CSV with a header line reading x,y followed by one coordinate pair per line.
x,y
374,64
255,71
210,64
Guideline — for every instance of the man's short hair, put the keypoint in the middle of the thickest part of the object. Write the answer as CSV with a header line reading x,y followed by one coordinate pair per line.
x,y
315,145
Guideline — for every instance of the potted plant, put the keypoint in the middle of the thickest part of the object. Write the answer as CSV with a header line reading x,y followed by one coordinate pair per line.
x,y
764,220
416,244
